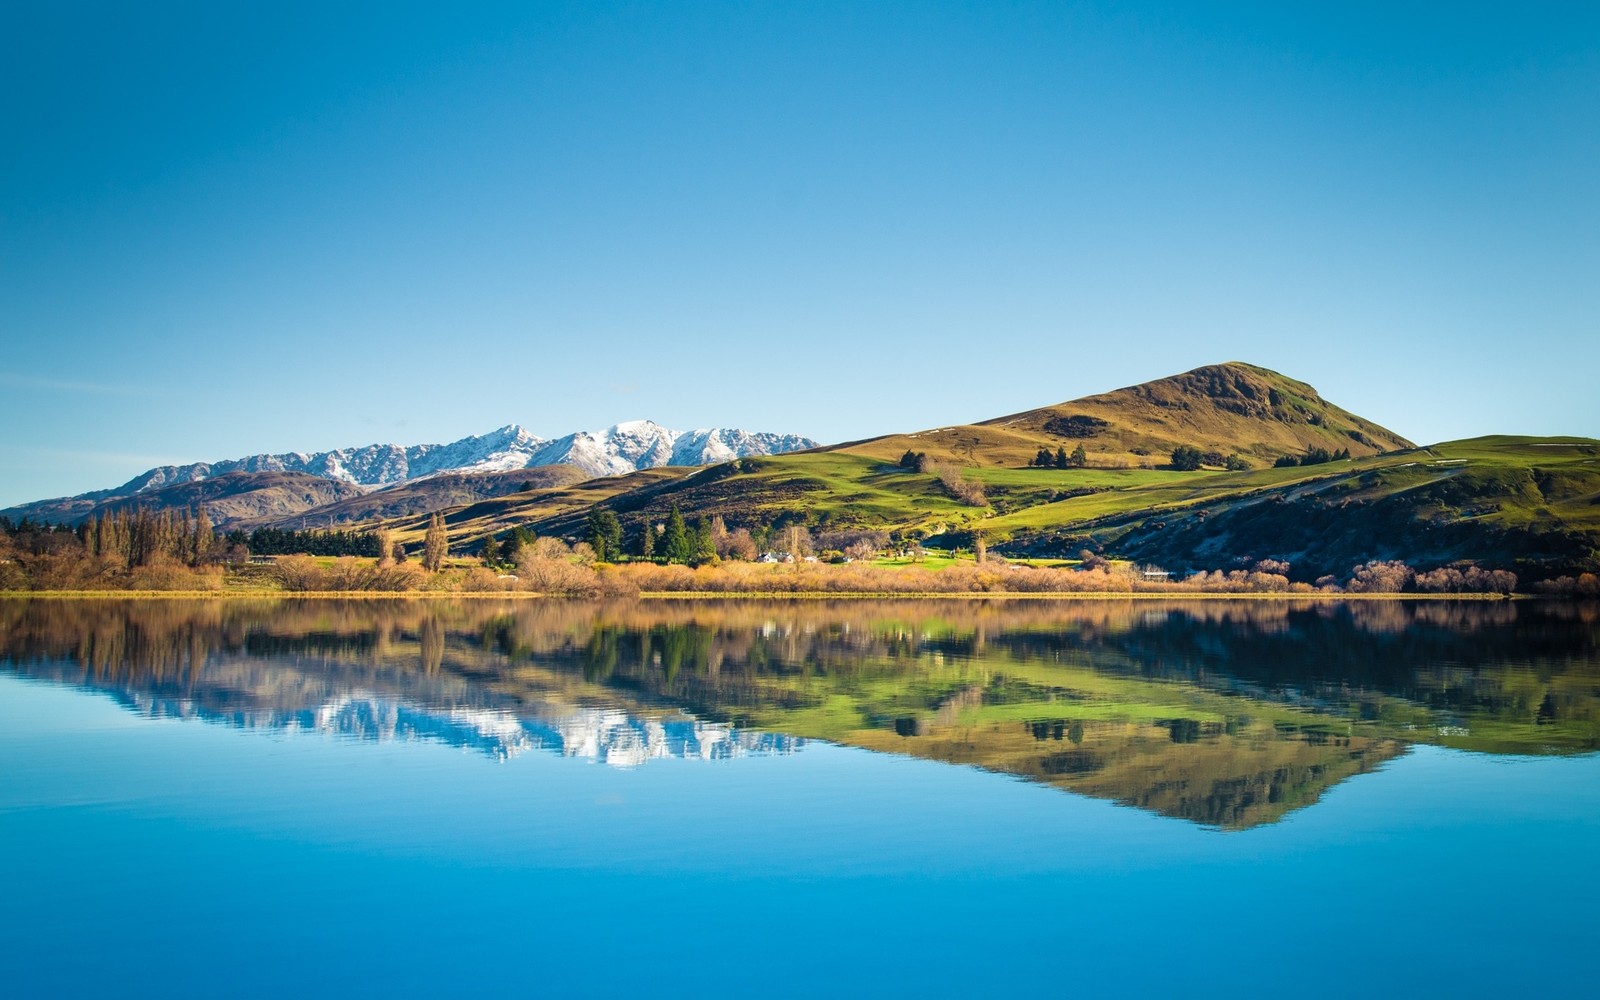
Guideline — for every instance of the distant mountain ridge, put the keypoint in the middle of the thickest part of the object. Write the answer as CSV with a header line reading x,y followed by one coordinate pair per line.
x,y
616,450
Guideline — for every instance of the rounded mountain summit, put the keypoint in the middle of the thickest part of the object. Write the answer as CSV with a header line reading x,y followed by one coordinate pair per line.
x,y
1230,409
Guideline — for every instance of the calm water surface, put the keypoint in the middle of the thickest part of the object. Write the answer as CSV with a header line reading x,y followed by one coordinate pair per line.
x,y
235,798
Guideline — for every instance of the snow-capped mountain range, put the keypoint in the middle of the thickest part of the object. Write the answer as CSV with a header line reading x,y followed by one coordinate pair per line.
x,y
622,448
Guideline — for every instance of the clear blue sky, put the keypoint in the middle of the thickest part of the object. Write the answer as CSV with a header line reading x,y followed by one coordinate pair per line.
x,y
234,228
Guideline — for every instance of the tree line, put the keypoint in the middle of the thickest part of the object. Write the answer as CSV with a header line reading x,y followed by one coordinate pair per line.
x,y
673,541
1060,459
1312,456
284,542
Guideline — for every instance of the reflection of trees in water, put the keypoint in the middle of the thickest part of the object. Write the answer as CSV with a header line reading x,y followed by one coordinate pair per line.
x,y
1447,655
1228,713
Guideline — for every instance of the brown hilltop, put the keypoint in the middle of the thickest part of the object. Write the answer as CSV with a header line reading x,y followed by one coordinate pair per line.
x,y
239,498
1226,408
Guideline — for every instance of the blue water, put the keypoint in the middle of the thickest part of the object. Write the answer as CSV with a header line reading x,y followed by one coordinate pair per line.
x,y
176,857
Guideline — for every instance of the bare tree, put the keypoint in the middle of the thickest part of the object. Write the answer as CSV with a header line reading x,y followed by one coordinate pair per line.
x,y
736,544
795,541
967,491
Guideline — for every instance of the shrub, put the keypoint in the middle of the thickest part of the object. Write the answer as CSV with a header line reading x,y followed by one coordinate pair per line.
x,y
166,573
347,573
1379,577
1186,458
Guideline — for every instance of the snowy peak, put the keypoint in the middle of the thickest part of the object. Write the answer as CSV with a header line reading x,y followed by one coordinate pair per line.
x,y
617,450
510,447
720,444
645,444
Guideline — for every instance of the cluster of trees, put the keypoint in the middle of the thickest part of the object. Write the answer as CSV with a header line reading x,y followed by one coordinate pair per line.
x,y
1060,459
141,537
126,548
605,534
856,545
916,461
1395,577
1188,458
675,541
1313,456
1582,585
499,553
283,542
967,491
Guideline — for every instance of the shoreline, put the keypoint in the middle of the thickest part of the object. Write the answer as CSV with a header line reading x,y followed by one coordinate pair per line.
x,y
764,596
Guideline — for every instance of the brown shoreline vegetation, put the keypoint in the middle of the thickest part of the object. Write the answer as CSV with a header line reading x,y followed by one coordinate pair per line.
x,y
166,554
351,576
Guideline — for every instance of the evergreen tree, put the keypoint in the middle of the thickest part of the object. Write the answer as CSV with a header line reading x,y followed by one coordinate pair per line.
x,y
1079,457
703,544
605,534
521,537
676,543
647,540
1061,458
434,544
490,551
1042,460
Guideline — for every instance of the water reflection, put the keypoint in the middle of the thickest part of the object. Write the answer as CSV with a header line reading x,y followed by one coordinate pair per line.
x,y
1227,714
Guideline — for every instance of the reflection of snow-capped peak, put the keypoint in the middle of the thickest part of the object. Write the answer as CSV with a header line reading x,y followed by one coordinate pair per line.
x,y
606,735
609,736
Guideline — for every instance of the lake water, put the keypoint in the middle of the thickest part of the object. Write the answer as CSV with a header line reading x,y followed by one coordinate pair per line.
x,y
484,797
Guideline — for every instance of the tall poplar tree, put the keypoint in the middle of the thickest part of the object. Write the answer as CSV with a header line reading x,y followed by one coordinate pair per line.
x,y
434,544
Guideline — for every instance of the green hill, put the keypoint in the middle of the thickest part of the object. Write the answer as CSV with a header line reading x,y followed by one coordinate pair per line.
x,y
1532,505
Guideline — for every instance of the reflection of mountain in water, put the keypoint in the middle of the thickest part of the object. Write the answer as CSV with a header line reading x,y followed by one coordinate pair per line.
x,y
606,735
1224,713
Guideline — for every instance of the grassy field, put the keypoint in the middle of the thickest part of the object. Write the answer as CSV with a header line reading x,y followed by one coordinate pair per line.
x,y
1500,501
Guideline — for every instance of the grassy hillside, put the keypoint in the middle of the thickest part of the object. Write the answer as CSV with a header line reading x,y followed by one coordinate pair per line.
x,y
1532,505
566,506
1230,408
1525,503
